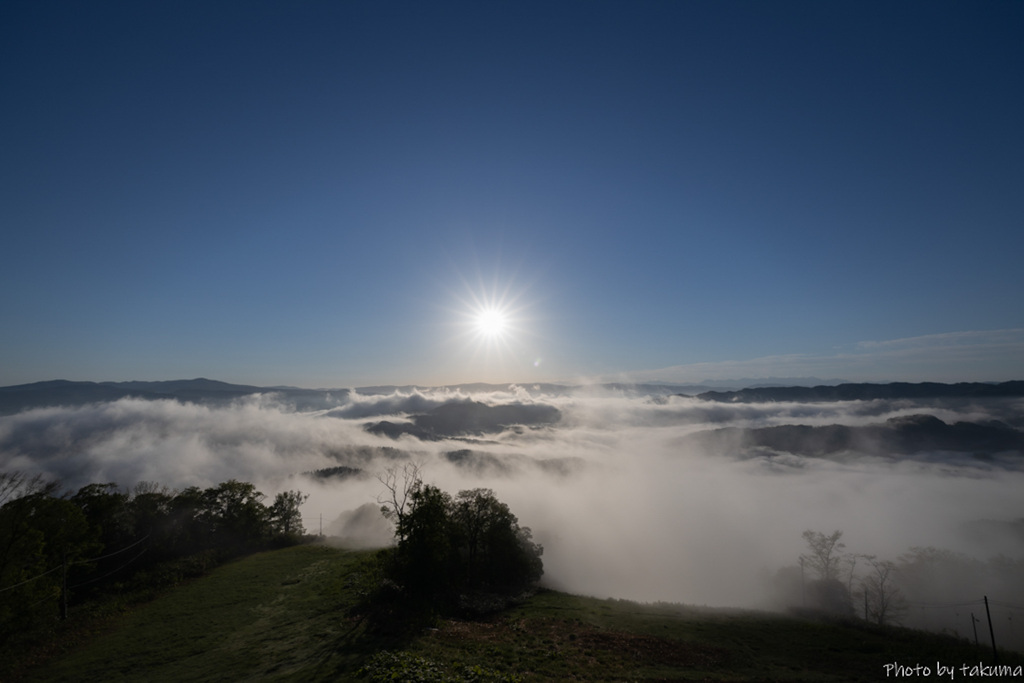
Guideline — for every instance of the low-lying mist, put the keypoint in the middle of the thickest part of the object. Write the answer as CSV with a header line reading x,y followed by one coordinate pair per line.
x,y
624,491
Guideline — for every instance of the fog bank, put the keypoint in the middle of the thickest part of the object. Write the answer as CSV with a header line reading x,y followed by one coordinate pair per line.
x,y
622,496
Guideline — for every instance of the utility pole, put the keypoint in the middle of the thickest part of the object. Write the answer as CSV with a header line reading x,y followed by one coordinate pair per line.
x,y
865,603
803,587
974,624
991,633
64,585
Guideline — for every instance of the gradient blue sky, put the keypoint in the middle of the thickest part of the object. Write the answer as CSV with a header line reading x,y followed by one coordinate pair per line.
x,y
318,193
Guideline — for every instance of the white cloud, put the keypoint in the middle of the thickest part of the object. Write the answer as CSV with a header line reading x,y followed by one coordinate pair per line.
x,y
623,502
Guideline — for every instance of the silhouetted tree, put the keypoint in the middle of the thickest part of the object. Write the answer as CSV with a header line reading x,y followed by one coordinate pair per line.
x,y
425,549
46,536
106,509
235,511
399,485
40,535
495,551
825,555
150,514
470,543
285,516
885,602
827,593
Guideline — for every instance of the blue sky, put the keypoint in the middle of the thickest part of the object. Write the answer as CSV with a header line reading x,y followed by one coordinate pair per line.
x,y
321,193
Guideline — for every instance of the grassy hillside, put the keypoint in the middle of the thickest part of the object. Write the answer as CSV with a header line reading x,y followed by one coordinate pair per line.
x,y
287,615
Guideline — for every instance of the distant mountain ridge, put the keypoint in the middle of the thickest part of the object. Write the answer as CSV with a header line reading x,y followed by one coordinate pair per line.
x,y
468,418
205,391
904,435
63,392
867,392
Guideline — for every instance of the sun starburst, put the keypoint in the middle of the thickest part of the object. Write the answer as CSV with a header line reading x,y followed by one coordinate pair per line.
x,y
491,323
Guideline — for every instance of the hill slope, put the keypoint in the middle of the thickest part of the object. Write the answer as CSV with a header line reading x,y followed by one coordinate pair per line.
x,y
286,615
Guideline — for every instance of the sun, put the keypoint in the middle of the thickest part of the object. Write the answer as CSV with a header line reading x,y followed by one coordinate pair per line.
x,y
491,323
492,328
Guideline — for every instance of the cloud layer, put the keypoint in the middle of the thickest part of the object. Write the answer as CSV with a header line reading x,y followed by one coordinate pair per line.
x,y
624,497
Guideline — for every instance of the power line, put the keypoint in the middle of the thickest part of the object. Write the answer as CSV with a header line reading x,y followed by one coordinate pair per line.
x,y
38,576
86,561
99,578
950,605
116,552
39,602
943,605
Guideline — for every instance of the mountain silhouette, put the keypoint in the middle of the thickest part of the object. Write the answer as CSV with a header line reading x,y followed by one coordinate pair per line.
x,y
866,392
468,418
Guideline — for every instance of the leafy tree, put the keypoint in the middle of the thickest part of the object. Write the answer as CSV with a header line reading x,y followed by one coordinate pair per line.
x,y
496,551
20,542
106,509
41,535
285,516
188,528
54,545
470,543
424,552
235,512
150,513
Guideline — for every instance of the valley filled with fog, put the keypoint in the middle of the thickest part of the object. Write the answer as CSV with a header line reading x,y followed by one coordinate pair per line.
x,y
633,494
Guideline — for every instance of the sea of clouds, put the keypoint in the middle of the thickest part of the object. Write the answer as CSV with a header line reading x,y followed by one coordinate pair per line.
x,y
623,501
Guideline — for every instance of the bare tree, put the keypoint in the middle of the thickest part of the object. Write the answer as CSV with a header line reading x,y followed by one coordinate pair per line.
x,y
145,488
15,485
885,602
399,485
850,560
825,555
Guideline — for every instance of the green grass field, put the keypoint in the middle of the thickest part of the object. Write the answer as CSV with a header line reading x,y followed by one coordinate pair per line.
x,y
288,615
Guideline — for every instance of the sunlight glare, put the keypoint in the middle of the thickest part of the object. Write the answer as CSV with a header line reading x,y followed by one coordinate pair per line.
x,y
490,322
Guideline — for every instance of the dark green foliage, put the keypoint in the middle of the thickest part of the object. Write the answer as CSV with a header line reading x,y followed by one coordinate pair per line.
x,y
284,515
234,512
494,550
57,549
426,553
340,472
40,536
448,548
106,509
151,511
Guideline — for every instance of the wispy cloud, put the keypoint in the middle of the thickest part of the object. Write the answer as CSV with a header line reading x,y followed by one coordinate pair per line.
x,y
978,355
993,340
